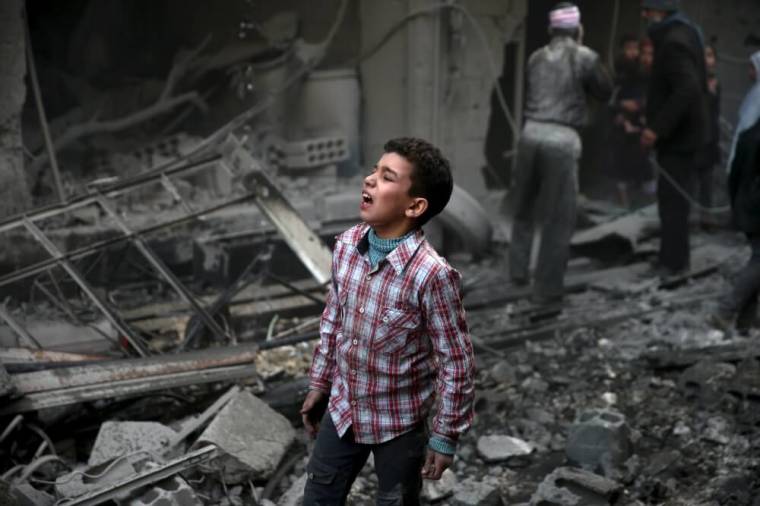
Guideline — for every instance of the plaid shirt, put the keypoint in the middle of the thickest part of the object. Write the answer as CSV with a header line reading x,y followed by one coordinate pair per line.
x,y
392,339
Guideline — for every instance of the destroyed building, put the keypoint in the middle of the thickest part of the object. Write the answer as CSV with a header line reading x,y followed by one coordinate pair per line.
x,y
172,179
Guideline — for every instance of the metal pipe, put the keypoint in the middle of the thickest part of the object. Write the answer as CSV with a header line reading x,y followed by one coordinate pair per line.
x,y
165,272
41,112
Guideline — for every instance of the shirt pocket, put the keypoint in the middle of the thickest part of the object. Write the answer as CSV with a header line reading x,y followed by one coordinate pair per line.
x,y
394,329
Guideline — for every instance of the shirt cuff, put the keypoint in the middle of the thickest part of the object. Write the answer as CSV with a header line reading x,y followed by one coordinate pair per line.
x,y
321,386
442,446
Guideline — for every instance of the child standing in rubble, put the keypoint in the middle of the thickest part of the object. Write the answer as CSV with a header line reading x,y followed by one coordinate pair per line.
x,y
393,338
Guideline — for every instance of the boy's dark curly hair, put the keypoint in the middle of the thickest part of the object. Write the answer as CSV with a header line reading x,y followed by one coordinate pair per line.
x,y
431,173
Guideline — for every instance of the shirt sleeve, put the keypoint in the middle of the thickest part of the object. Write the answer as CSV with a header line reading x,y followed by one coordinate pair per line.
x,y
447,328
323,361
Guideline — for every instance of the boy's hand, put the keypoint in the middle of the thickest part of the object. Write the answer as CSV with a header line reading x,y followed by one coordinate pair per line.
x,y
435,464
310,404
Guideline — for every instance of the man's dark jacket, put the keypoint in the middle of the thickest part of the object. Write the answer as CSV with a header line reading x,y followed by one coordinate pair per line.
x,y
744,182
677,99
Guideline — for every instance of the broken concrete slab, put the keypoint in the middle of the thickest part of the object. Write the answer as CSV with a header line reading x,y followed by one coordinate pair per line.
x,y
24,494
116,439
438,490
499,448
472,492
173,491
6,384
294,495
599,441
567,486
75,484
251,436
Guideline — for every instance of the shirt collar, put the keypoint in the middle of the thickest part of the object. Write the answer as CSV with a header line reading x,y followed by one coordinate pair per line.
x,y
399,257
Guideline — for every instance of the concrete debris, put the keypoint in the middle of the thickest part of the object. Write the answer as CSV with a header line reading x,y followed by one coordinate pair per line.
x,y
173,491
251,436
294,495
91,478
133,439
24,494
434,491
472,492
599,441
503,372
499,448
567,486
6,384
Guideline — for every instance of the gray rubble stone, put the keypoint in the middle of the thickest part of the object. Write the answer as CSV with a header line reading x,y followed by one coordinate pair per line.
x,y
116,439
252,438
73,484
599,441
498,448
471,492
6,384
436,490
293,496
173,491
567,486
26,495
503,372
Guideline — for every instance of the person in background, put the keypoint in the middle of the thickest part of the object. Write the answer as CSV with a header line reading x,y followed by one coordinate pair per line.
x,y
676,124
561,76
629,161
739,306
709,156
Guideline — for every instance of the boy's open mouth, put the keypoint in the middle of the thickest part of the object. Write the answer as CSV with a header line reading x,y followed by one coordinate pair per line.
x,y
366,198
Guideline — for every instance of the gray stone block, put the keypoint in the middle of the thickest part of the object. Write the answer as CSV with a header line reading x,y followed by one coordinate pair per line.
x,y
116,439
599,441
477,493
252,438
567,486
499,448
436,490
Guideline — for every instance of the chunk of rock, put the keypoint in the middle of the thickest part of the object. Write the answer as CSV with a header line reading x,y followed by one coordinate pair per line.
x,y
477,493
252,438
434,491
24,494
567,486
173,491
503,373
498,448
293,496
136,439
75,484
599,441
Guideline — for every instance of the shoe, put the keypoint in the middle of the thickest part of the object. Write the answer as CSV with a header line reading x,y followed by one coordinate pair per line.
x,y
520,282
546,300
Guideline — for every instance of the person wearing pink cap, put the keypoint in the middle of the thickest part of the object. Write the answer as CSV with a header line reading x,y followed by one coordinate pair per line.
x,y
561,76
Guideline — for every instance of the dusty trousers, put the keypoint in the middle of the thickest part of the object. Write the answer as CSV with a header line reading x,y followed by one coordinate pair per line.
x,y
673,208
336,461
544,195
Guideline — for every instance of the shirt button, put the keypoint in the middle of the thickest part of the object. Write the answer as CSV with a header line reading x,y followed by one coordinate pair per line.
x,y
369,276
353,371
385,319
355,342
353,403
361,310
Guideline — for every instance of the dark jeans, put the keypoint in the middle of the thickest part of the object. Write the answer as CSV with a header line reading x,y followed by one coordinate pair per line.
x,y
335,463
674,210
544,193
741,301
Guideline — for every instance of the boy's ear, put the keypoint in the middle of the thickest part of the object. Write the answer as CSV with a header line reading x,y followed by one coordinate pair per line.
x,y
417,208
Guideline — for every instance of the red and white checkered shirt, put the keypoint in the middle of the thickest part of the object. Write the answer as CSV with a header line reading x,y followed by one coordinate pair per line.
x,y
392,340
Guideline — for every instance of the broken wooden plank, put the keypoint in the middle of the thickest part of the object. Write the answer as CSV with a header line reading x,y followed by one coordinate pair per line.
x,y
617,237
125,388
125,369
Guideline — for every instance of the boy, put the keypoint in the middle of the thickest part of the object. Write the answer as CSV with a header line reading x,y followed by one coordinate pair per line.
x,y
393,336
